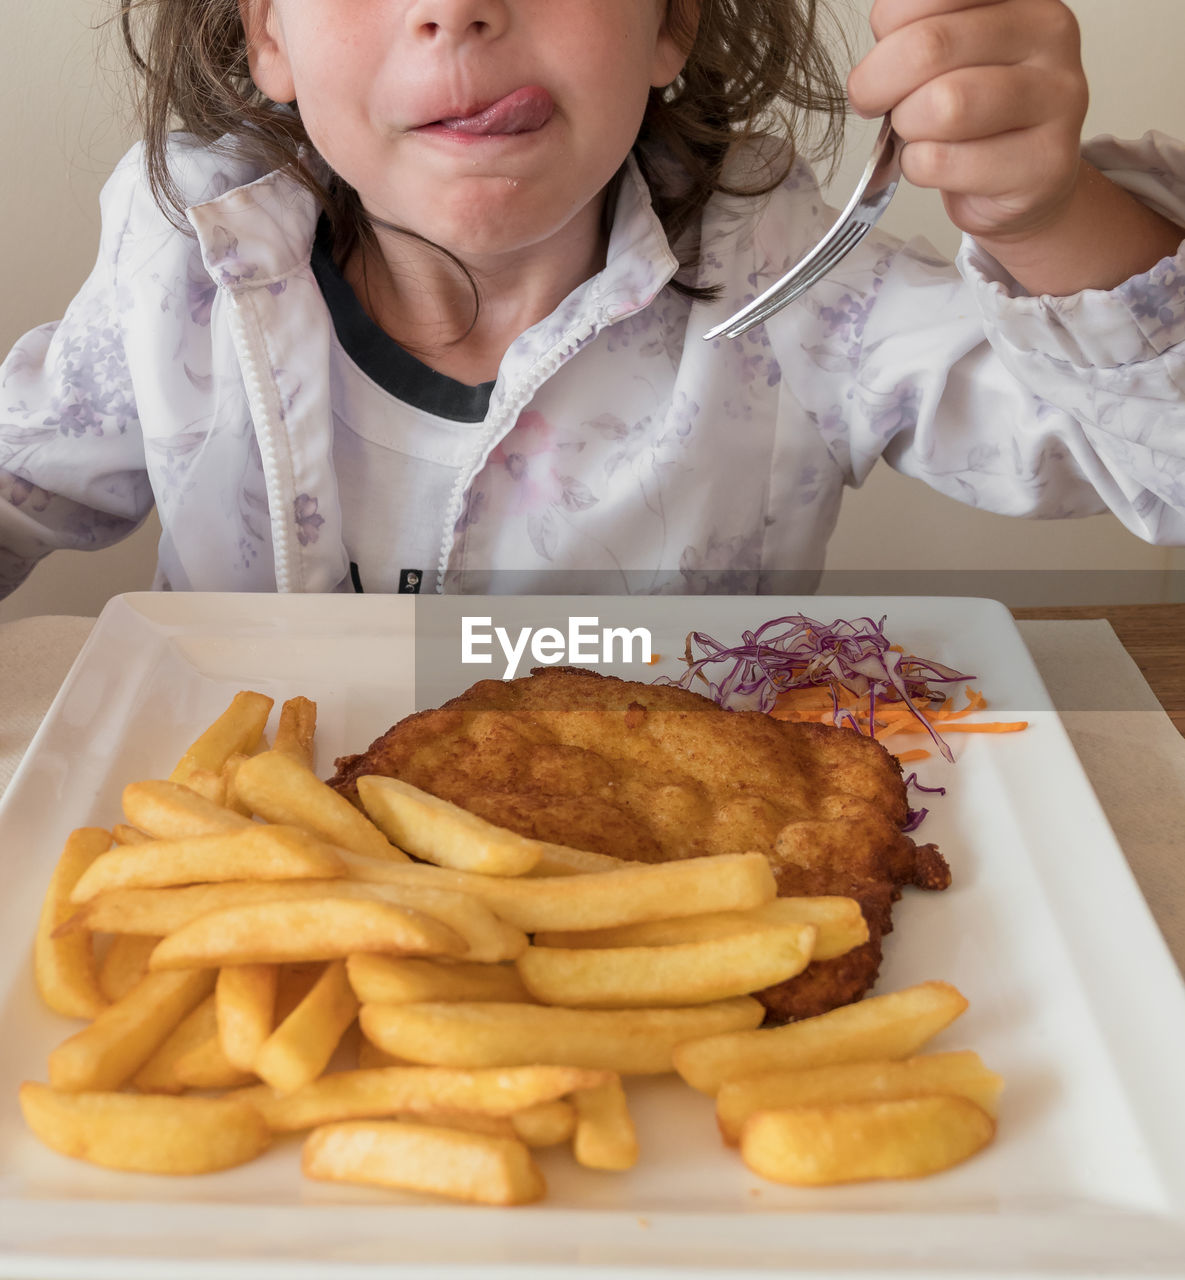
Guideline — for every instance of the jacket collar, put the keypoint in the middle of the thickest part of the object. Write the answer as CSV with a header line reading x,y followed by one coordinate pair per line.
x,y
258,234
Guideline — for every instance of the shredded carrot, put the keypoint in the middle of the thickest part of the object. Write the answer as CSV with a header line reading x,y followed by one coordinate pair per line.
x,y
993,726
820,703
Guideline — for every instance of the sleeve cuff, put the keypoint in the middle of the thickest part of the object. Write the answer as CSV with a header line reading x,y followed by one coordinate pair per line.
x,y
1140,319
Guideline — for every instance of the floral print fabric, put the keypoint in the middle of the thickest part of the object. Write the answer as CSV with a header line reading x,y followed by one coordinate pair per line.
x,y
621,452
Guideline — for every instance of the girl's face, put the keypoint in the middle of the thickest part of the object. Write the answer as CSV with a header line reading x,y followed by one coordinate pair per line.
x,y
488,126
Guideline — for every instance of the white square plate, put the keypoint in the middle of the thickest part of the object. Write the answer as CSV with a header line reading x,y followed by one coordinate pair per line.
x,y
1074,998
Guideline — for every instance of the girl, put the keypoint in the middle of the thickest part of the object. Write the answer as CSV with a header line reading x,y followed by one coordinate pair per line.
x,y
418,295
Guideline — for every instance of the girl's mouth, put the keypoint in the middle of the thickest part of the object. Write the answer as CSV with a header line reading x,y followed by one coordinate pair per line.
x,y
523,111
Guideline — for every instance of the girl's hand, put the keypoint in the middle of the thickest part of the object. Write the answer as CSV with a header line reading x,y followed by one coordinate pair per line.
x,y
989,97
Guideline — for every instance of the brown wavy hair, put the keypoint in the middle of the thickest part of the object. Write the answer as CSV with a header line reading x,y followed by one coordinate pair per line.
x,y
754,68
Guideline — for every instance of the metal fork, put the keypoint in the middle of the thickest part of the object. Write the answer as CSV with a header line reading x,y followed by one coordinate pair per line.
x,y
869,200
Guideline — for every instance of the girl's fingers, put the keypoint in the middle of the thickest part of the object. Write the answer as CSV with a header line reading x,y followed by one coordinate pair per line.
x,y
913,55
1024,167
989,97
980,102
887,15
999,33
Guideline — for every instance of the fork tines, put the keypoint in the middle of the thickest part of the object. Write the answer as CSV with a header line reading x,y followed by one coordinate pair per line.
x,y
805,275
869,200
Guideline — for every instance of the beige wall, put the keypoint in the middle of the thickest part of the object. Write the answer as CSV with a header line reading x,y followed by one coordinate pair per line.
x,y
60,98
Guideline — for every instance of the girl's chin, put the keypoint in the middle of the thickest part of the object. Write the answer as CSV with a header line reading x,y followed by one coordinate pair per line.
x,y
498,218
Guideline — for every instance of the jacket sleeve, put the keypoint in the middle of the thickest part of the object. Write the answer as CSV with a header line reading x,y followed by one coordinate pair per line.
x,y
1030,406
71,456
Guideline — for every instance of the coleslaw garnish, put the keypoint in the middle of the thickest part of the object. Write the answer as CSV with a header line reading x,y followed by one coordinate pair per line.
x,y
845,673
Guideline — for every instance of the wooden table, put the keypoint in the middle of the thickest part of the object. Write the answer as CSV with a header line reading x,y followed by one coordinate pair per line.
x,y
1154,635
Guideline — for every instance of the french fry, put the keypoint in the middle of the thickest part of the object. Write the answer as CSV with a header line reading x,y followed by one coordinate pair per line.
x,y
446,1162
560,860
253,852
108,1052
124,963
686,973
296,729
231,800
961,1074
444,833
238,729
638,891
64,967
206,782
839,922
629,1041
388,1091
318,929
299,1049
406,979
605,1137
159,1073
546,1124
190,1058
466,1121
839,925
172,811
245,1007
165,911
895,1025
490,938
144,1134
851,1142
125,833
279,789
205,1066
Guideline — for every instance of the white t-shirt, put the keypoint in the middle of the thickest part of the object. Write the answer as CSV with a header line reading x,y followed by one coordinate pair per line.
x,y
401,435
396,467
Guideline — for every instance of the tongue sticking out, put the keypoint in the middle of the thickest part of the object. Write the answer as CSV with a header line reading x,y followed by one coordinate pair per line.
x,y
522,111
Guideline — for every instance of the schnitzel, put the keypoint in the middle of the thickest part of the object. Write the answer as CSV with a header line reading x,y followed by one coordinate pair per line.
x,y
653,773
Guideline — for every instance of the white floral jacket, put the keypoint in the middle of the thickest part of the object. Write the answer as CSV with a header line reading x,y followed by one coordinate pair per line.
x,y
195,372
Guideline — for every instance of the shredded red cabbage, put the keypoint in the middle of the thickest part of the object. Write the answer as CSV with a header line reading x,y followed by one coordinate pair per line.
x,y
912,781
913,820
795,652
913,817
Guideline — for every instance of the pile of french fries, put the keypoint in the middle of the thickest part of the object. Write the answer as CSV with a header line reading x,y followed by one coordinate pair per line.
x,y
255,956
